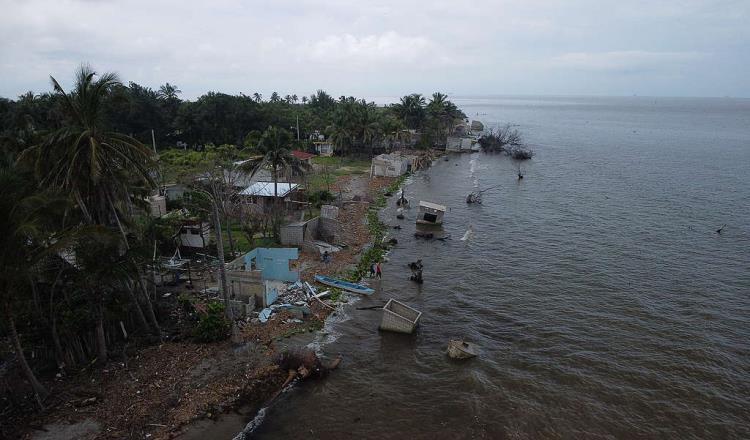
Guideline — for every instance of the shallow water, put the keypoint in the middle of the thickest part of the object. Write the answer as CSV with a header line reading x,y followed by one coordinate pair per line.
x,y
604,302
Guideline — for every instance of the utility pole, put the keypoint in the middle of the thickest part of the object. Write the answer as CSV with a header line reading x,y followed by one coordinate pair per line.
x,y
298,127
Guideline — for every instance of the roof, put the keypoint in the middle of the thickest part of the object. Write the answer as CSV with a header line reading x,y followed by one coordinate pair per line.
x,y
265,189
302,155
431,205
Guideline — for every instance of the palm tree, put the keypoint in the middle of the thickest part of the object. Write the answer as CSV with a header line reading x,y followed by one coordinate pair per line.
x,y
257,97
275,154
437,110
169,92
304,100
105,172
411,110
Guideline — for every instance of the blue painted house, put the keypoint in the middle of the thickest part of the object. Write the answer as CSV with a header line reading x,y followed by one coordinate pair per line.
x,y
273,263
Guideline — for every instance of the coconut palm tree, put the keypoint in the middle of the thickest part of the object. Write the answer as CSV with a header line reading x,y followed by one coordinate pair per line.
x,y
411,109
106,173
101,169
257,97
275,155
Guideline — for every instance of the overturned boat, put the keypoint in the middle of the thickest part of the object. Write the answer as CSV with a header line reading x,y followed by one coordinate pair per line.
x,y
344,285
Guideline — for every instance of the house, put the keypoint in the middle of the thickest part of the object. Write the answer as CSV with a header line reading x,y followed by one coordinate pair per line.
x,y
392,165
303,156
430,213
460,144
174,191
255,278
273,263
195,234
262,193
323,148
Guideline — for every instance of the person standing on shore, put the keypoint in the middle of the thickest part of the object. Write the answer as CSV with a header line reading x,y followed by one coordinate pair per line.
x,y
378,271
372,270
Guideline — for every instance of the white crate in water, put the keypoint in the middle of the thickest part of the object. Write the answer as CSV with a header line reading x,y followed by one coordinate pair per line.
x,y
398,317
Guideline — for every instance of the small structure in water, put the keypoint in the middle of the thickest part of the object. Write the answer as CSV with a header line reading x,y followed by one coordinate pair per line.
x,y
461,349
398,317
416,271
430,213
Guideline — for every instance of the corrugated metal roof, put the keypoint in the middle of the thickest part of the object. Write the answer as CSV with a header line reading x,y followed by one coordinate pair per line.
x,y
432,206
302,155
265,189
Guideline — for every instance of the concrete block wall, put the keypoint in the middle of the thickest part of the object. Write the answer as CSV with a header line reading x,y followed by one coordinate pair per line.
x,y
328,230
293,234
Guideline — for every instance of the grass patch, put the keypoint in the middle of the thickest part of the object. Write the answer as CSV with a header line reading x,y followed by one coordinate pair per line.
x,y
377,231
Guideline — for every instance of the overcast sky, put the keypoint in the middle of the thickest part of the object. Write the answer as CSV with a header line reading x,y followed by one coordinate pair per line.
x,y
388,48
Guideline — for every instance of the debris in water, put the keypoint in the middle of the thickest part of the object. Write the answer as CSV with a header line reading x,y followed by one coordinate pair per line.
x,y
461,350
468,234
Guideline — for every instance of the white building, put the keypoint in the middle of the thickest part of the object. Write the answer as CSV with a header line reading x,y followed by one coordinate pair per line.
x,y
195,235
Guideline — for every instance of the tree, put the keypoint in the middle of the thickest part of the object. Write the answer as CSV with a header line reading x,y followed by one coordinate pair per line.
x,y
169,92
274,154
22,218
411,110
105,172
257,97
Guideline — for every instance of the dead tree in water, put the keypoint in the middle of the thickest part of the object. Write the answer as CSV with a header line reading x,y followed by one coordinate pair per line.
x,y
506,140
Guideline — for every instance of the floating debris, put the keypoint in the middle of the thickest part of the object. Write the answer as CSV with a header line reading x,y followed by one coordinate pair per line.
x,y
461,350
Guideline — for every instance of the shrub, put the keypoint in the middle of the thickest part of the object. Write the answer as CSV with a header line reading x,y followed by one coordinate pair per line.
x,y
319,198
213,326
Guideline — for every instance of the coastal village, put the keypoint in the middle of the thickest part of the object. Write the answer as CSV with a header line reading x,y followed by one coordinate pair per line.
x,y
242,248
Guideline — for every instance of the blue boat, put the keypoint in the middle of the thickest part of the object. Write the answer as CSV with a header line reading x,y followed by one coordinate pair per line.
x,y
345,285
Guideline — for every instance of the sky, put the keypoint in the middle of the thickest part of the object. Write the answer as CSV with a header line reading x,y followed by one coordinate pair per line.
x,y
386,48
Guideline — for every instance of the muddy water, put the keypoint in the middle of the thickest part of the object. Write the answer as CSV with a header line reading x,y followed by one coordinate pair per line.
x,y
603,300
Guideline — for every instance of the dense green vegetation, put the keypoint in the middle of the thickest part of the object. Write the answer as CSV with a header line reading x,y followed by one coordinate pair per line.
x,y
353,125
77,166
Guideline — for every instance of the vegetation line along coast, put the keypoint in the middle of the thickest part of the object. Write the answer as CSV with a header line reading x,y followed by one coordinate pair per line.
x,y
134,227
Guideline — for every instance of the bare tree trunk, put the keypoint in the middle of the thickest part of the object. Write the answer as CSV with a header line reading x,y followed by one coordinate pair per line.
x,y
40,392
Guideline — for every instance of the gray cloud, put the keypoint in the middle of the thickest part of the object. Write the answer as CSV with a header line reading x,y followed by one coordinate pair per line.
x,y
385,48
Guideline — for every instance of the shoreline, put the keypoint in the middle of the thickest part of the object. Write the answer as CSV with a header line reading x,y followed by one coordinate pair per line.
x,y
177,386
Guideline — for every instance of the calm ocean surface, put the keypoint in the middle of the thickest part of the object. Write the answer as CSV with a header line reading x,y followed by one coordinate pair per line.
x,y
603,300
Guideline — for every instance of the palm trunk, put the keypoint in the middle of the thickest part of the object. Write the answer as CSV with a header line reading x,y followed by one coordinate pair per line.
x,y
39,391
229,235
275,208
138,311
59,353
101,340
222,268
149,307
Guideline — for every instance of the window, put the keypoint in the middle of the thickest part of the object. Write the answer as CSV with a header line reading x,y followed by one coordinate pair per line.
x,y
432,218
